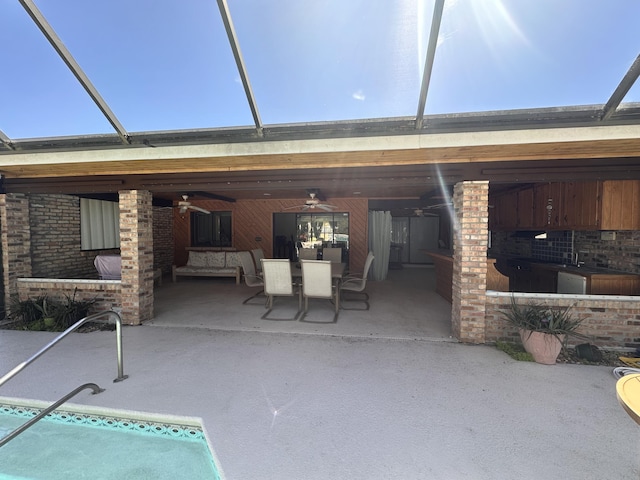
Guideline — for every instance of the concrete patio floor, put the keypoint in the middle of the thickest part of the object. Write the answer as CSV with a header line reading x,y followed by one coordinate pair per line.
x,y
409,404
405,305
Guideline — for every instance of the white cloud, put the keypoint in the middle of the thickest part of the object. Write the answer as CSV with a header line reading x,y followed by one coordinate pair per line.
x,y
358,95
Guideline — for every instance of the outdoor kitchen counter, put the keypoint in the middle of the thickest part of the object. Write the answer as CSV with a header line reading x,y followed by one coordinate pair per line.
x,y
443,263
600,281
536,276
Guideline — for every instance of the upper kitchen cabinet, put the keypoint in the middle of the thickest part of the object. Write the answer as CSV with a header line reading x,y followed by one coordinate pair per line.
x,y
593,205
548,208
581,205
503,211
620,205
525,209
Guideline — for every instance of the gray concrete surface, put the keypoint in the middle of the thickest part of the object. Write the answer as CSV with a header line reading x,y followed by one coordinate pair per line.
x,y
280,405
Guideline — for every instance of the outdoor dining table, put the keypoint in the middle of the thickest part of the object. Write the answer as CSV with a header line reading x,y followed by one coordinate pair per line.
x,y
337,271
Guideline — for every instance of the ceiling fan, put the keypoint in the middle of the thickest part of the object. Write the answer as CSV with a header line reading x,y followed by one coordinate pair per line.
x,y
424,211
313,203
185,205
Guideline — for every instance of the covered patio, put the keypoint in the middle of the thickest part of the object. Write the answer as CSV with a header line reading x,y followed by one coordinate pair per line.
x,y
404,306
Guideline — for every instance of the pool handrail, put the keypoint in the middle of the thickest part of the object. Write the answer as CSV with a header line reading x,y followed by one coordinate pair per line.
x,y
11,435
121,376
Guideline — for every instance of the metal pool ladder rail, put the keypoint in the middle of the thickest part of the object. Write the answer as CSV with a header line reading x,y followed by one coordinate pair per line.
x,y
75,326
49,409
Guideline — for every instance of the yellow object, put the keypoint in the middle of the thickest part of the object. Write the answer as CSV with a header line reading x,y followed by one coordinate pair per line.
x,y
630,361
628,393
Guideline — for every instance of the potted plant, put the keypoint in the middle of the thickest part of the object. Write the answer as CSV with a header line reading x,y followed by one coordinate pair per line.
x,y
543,329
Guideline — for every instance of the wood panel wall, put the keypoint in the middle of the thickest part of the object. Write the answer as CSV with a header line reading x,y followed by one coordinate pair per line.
x,y
253,225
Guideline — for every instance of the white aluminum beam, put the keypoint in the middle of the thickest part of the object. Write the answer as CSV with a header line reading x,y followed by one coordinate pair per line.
x,y
71,63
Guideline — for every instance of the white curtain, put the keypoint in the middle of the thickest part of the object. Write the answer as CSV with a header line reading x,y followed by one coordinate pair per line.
x,y
380,243
99,224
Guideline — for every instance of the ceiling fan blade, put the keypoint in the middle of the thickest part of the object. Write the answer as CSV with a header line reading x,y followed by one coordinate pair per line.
x,y
326,208
199,209
183,210
294,207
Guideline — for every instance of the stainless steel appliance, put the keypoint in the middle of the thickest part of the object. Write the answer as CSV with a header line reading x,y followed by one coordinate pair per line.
x,y
571,283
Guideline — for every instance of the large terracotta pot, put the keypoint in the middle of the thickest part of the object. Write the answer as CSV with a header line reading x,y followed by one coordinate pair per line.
x,y
543,347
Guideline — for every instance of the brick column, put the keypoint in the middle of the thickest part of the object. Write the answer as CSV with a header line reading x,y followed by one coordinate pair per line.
x,y
16,241
136,249
470,261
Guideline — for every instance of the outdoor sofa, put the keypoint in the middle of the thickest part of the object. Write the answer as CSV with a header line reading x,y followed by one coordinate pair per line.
x,y
210,264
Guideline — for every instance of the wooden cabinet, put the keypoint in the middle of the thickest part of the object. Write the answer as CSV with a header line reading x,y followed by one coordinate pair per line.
x,y
525,209
620,205
581,205
547,205
594,205
504,212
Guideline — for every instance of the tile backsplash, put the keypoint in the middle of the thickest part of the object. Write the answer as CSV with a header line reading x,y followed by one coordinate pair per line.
x,y
557,247
618,250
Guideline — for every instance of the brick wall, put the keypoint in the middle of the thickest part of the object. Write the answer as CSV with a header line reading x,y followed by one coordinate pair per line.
x,y
163,239
136,247
607,321
470,261
16,241
55,238
622,253
106,293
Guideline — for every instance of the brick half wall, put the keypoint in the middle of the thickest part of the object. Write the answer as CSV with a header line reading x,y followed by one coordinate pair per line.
x,y
609,322
106,293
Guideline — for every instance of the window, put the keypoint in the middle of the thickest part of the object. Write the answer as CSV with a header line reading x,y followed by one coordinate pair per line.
x,y
322,229
99,224
211,230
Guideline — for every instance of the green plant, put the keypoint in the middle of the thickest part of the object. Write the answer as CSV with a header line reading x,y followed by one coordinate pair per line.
x,y
537,317
72,310
23,312
514,351
47,309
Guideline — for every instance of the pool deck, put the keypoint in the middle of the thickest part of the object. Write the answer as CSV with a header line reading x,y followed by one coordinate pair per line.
x,y
315,403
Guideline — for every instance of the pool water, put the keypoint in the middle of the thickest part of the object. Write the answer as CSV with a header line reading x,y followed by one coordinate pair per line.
x,y
109,445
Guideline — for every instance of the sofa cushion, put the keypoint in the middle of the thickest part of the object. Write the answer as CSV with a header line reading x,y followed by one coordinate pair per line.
x,y
216,259
205,270
233,259
197,259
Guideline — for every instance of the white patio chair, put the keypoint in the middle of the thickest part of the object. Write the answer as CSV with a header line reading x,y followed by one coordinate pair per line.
x,y
355,284
278,283
257,254
308,254
334,255
318,283
251,279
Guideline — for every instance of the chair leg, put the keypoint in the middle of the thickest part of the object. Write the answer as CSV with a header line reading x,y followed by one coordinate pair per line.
x,y
252,297
306,308
269,306
364,300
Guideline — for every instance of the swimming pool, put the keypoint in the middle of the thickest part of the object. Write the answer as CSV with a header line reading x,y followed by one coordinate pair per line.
x,y
88,442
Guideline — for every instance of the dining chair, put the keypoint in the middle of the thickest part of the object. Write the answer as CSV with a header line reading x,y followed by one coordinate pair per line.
x,y
333,254
308,254
355,284
317,282
258,255
278,282
251,278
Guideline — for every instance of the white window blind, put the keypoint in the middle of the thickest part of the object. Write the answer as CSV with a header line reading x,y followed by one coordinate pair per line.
x,y
99,224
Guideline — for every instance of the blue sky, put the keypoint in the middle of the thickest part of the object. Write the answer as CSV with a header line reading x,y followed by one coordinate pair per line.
x,y
166,64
